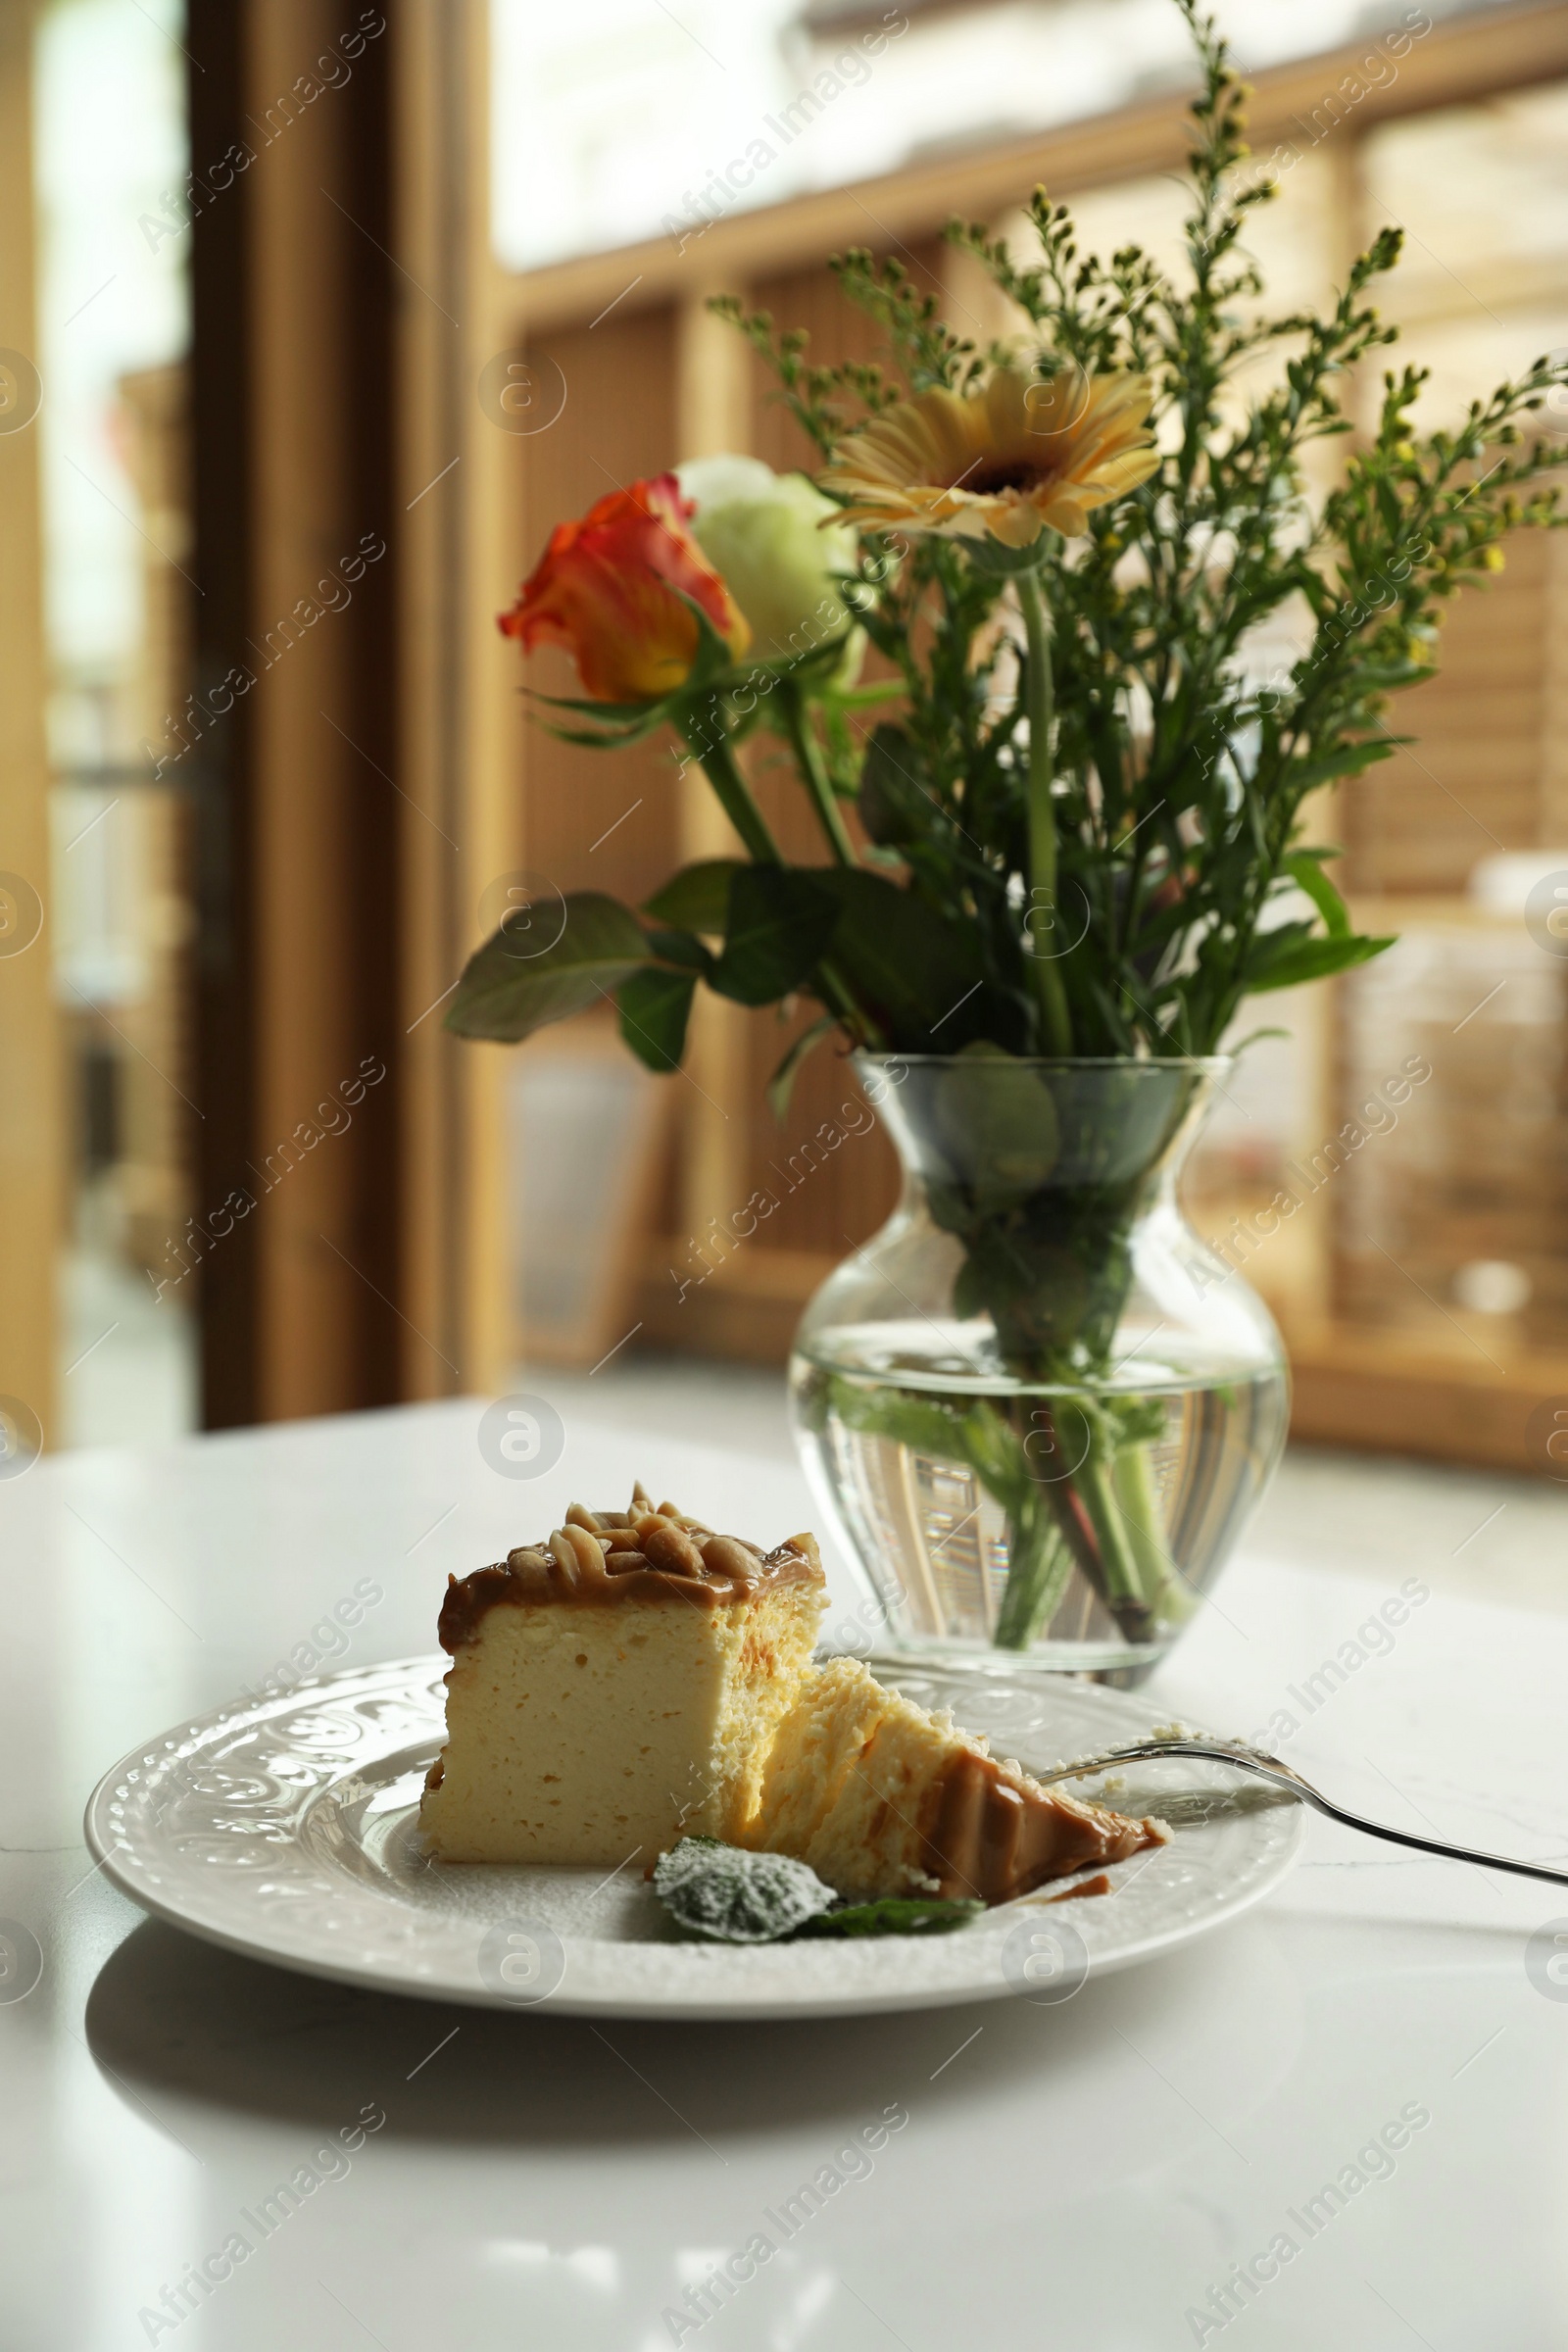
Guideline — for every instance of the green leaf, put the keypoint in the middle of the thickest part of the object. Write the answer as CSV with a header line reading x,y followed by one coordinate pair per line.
x,y
712,659
1387,677
731,1896
781,1085
655,1005
999,1122
858,698
915,970
610,739
893,802
591,706
894,1915
614,724
1311,960
1256,1037
1307,874
1002,563
1350,759
781,921
907,1420
506,996
684,949
812,671
697,898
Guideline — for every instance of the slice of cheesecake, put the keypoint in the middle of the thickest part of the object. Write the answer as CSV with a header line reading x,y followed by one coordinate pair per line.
x,y
617,1687
881,1798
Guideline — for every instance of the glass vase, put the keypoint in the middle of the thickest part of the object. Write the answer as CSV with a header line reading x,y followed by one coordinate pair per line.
x,y
1037,1408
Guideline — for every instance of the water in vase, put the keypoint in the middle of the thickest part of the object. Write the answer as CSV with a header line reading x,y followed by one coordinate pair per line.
x,y
1083,1524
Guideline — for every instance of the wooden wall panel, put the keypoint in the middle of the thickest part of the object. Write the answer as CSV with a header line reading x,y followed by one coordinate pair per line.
x,y
1473,782
594,820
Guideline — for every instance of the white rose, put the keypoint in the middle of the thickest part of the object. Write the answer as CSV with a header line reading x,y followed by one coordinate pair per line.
x,y
767,533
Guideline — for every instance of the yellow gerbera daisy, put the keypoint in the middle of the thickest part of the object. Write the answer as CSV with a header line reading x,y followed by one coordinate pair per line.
x,y
1010,460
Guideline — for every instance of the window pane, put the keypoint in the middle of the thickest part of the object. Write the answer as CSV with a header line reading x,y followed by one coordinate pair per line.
x,y
114,323
617,119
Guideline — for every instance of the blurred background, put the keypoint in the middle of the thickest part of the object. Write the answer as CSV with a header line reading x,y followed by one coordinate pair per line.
x,y
313,321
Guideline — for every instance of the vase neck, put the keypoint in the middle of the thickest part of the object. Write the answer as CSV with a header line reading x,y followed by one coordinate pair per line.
x,y
1000,1131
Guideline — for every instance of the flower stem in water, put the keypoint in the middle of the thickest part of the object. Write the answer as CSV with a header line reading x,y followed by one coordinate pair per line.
x,y
1040,1564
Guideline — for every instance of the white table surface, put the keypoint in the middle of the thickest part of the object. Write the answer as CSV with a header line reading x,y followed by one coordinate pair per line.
x,y
1078,2177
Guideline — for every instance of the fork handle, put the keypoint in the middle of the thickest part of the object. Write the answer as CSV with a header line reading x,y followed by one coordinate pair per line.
x,y
1281,1776
1436,1845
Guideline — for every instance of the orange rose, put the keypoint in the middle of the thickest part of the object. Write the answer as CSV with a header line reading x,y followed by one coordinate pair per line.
x,y
604,590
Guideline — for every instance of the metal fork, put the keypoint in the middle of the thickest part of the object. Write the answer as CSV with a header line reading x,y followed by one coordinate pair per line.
x,y
1284,1775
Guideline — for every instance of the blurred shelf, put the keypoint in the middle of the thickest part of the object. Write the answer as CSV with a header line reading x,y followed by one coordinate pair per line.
x,y
745,1309
1392,1392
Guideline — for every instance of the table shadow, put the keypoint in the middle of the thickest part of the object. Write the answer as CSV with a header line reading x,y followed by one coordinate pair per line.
x,y
175,2023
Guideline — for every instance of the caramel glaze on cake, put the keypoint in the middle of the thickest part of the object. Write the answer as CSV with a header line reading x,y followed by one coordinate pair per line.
x,y
613,1557
981,1836
881,1796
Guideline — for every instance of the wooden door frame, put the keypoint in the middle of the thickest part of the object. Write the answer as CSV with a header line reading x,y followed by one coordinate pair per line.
x,y
341,298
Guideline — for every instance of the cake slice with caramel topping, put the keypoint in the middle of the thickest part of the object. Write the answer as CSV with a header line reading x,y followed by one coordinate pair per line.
x,y
881,1798
617,1687
637,1679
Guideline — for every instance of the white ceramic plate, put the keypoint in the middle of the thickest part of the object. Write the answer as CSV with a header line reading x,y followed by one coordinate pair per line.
x,y
287,1829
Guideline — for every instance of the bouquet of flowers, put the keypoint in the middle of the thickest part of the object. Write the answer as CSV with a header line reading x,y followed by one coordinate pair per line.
x,y
1064,822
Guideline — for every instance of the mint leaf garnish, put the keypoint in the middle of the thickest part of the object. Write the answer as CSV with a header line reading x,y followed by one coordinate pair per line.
x,y
732,1896
896,1915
